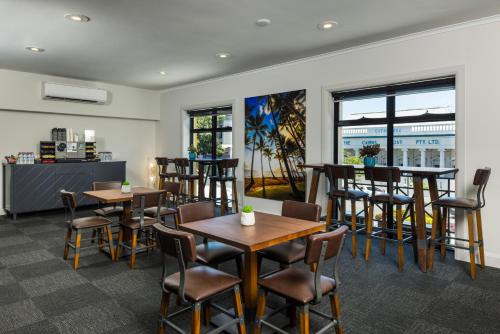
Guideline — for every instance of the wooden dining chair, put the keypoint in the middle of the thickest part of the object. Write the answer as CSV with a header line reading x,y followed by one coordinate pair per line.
x,y
79,225
196,286
107,211
473,208
389,176
302,287
346,174
140,223
170,206
226,172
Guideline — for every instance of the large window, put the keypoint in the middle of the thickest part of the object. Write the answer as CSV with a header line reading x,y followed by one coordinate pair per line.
x,y
211,132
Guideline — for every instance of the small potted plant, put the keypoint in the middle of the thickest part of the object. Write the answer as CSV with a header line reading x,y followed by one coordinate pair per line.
x,y
126,187
369,154
192,152
247,216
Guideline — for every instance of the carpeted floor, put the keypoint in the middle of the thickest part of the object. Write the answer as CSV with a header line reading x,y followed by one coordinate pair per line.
x,y
40,293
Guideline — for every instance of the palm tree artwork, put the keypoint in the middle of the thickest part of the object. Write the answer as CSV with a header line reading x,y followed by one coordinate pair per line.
x,y
275,127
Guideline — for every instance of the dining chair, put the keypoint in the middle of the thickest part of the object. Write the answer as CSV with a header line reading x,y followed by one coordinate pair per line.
x,y
182,169
194,286
108,210
163,173
78,225
226,172
293,251
389,176
346,174
140,223
471,207
303,287
169,207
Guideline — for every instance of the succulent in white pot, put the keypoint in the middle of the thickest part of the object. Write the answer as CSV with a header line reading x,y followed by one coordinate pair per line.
x,y
247,216
126,187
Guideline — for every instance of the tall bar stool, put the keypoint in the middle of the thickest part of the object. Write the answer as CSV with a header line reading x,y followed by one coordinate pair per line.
x,y
171,204
163,172
470,206
389,175
140,224
194,286
79,225
303,288
346,173
182,169
226,170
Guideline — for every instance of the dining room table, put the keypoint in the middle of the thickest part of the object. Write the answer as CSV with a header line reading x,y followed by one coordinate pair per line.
x,y
268,230
418,175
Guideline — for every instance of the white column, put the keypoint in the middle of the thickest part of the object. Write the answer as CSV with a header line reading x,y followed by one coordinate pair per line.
x,y
441,157
405,157
422,157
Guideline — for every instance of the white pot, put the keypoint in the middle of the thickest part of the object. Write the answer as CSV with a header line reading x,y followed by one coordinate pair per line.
x,y
248,219
126,188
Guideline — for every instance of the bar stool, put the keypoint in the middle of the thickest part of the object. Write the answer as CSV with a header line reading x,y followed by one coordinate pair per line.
x,y
346,173
81,224
181,167
194,286
226,170
171,204
139,223
471,206
389,175
163,172
303,288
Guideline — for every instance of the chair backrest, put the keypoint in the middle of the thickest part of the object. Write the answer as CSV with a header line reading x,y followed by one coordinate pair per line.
x,y
173,189
162,163
227,167
301,210
196,211
334,173
388,175
106,185
481,178
148,199
181,166
69,203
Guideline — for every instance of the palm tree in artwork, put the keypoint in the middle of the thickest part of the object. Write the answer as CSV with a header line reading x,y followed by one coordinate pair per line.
x,y
261,146
268,153
256,128
279,157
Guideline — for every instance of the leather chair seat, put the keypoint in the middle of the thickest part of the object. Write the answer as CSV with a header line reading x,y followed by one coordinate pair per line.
x,y
222,178
109,211
172,174
164,211
188,177
352,193
216,252
296,284
456,202
87,222
201,282
134,223
398,199
286,253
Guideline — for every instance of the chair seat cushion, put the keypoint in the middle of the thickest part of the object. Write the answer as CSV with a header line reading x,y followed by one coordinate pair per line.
x,y
201,282
188,177
172,174
164,211
456,202
216,252
296,284
134,223
222,178
109,211
352,193
286,253
87,222
398,199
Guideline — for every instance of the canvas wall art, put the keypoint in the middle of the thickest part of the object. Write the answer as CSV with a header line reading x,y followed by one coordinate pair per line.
x,y
275,145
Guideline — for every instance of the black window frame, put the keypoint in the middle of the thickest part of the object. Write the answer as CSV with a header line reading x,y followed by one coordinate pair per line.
x,y
389,92
214,112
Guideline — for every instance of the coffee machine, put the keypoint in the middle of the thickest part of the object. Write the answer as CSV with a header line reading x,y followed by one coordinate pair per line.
x,y
70,150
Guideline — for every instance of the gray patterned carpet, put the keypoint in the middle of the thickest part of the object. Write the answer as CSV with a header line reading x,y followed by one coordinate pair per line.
x,y
40,293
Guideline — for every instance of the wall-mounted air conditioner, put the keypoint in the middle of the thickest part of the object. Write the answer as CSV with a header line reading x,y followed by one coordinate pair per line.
x,y
62,92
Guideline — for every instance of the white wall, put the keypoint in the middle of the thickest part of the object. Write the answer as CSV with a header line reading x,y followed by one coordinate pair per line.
x,y
468,50
126,126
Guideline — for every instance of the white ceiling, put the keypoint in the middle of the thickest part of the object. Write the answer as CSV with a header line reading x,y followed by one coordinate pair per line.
x,y
130,41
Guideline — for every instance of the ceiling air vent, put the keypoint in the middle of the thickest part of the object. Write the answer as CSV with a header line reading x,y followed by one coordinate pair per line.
x,y
60,92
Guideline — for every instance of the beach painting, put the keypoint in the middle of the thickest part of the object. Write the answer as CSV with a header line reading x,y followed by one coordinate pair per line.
x,y
275,145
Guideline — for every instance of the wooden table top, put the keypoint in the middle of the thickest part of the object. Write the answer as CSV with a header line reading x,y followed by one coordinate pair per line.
x,y
403,169
116,195
269,230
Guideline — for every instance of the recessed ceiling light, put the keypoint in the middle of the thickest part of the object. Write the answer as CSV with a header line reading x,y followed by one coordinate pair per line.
x,y
77,17
263,22
163,73
327,25
34,49
223,55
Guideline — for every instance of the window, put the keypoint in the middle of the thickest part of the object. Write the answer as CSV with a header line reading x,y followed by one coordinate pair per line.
x,y
211,132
